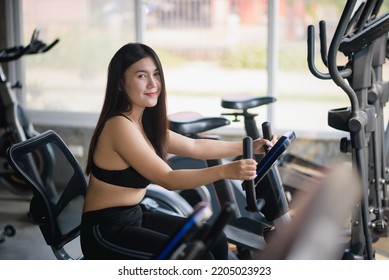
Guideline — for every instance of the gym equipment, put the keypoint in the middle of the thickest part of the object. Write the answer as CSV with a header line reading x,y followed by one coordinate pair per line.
x,y
200,215
273,178
290,170
273,195
249,224
362,37
188,243
15,125
255,191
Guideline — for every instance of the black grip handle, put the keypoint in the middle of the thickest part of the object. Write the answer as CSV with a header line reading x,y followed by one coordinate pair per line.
x,y
267,133
248,185
247,147
266,130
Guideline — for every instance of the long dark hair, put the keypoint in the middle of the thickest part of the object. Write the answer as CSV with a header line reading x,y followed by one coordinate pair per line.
x,y
116,101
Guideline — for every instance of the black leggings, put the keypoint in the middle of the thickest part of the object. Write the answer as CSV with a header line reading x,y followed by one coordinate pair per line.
x,y
134,233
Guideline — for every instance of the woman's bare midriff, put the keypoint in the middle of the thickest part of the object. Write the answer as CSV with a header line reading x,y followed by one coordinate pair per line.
x,y
101,195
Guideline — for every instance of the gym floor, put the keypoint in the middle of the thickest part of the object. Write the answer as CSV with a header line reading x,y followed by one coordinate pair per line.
x,y
28,242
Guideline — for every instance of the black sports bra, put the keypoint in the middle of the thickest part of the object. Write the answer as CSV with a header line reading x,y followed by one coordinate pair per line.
x,y
129,177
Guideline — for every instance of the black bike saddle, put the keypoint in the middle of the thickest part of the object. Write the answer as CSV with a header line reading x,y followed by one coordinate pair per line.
x,y
244,102
192,123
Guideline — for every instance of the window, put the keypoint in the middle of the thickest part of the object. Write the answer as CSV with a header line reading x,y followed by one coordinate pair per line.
x,y
209,48
71,76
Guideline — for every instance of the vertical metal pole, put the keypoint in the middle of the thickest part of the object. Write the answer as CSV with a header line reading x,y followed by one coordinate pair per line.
x,y
272,52
14,37
139,20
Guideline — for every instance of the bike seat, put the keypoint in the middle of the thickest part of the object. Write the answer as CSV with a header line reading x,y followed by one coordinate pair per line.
x,y
194,123
244,102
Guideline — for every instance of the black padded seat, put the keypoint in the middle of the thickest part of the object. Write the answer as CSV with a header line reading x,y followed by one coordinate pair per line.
x,y
244,102
191,123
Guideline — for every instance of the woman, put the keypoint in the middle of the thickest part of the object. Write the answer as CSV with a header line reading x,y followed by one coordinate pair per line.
x,y
128,151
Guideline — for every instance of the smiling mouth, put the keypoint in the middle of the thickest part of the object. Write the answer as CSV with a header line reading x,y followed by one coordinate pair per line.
x,y
151,93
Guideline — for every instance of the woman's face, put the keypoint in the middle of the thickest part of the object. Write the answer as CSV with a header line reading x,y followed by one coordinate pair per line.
x,y
142,83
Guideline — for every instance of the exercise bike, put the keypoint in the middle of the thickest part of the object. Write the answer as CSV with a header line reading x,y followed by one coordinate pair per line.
x,y
15,125
251,224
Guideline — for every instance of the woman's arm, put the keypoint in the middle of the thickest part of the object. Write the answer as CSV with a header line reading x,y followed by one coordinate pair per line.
x,y
212,149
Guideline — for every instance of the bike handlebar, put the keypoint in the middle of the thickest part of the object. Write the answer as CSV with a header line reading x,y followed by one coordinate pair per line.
x,y
358,30
34,47
333,50
248,185
345,72
266,130
12,53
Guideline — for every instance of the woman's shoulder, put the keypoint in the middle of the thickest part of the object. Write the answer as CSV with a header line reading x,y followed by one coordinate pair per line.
x,y
118,124
118,120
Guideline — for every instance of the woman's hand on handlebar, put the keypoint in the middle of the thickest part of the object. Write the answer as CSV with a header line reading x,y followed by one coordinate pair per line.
x,y
243,169
262,145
